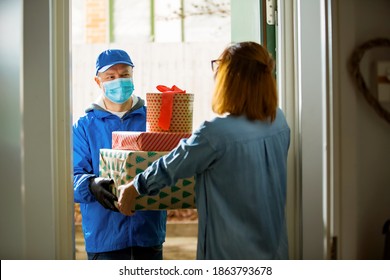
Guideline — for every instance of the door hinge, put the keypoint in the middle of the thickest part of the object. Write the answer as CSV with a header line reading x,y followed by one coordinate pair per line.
x,y
271,12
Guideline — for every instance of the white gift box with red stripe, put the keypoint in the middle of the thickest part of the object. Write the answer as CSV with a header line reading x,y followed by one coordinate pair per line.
x,y
147,141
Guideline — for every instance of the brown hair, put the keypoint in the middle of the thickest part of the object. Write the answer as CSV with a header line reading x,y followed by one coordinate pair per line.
x,y
245,84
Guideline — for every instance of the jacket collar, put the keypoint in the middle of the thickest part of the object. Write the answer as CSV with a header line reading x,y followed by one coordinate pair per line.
x,y
100,112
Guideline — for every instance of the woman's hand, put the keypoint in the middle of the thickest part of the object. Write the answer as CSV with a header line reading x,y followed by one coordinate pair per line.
x,y
126,200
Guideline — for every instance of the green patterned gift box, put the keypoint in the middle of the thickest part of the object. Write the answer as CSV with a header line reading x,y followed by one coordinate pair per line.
x,y
124,165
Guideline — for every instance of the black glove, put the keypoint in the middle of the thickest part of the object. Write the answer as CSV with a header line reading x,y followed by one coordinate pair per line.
x,y
100,188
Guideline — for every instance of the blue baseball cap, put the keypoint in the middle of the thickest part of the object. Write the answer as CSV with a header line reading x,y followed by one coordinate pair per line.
x,y
109,58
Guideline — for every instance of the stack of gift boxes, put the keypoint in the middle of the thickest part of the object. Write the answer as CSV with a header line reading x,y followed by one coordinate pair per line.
x,y
169,120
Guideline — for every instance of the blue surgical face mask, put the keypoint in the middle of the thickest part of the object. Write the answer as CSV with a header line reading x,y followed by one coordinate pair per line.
x,y
119,90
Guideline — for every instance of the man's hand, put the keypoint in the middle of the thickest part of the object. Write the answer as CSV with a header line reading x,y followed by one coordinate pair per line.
x,y
127,196
100,188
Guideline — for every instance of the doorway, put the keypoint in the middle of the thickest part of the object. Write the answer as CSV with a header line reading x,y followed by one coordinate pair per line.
x,y
171,43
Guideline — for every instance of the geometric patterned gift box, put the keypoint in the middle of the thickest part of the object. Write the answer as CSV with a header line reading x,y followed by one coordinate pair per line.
x,y
124,165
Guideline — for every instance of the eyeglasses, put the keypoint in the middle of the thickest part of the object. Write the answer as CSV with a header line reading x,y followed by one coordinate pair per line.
x,y
214,64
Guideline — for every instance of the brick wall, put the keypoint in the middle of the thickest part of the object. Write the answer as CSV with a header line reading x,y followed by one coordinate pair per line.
x,y
97,21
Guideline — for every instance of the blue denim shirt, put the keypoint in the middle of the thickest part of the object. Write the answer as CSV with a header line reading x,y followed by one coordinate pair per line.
x,y
240,168
105,230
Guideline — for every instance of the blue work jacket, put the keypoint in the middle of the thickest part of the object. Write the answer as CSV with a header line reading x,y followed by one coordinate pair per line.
x,y
106,230
240,168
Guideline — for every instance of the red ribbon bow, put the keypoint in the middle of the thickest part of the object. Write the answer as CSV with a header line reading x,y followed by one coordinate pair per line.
x,y
164,121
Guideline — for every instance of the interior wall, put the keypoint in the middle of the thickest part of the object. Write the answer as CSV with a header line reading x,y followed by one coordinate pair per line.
x,y
36,210
11,216
311,93
363,180
287,88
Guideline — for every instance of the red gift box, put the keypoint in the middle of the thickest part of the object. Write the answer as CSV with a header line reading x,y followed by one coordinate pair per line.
x,y
171,110
147,141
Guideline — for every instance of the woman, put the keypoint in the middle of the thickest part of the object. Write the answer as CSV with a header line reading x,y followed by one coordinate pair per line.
x,y
239,162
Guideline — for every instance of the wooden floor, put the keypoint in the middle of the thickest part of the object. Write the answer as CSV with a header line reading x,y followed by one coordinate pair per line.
x,y
180,242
